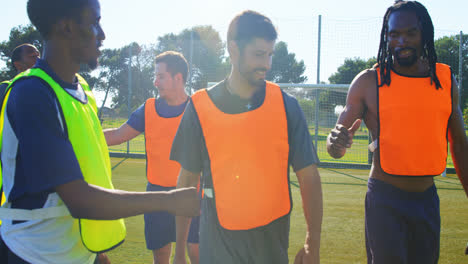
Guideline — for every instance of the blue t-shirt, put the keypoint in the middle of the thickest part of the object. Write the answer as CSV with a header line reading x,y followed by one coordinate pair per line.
x,y
45,158
137,118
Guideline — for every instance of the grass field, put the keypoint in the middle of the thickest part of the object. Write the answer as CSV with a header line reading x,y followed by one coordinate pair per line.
x,y
343,220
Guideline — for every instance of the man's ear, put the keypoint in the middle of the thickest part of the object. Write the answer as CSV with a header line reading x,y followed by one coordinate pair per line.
x,y
178,77
64,28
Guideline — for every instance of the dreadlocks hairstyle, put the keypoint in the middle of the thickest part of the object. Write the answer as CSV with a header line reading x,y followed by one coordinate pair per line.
x,y
384,57
45,13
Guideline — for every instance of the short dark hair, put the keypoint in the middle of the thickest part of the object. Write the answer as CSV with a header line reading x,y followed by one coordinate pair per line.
x,y
45,13
175,63
18,52
249,25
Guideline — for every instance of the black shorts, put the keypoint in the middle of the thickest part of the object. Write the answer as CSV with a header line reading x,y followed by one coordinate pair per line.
x,y
160,226
401,227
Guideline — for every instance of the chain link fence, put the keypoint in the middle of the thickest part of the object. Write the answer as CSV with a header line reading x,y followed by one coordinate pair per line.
x,y
323,44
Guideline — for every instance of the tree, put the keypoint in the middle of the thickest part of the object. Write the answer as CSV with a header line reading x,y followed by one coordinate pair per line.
x,y
350,68
448,51
113,75
284,67
18,35
203,48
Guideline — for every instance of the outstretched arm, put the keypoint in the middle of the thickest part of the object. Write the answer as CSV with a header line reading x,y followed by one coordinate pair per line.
x,y
458,140
311,192
88,201
116,136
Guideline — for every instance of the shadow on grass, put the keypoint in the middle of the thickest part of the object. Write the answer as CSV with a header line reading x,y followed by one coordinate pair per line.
x,y
120,162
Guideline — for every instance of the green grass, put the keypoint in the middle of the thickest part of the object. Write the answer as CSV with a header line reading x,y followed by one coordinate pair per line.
x,y
343,220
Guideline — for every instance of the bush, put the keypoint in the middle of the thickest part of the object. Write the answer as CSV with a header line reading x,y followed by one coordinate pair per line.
x,y
465,115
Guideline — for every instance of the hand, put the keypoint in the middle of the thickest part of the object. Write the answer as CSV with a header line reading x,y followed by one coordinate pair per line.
x,y
184,202
103,259
304,256
341,137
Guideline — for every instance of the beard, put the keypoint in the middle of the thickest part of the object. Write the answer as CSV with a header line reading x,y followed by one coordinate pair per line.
x,y
249,74
406,61
93,64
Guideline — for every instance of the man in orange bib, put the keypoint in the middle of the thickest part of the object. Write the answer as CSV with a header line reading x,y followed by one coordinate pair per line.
x,y
159,119
409,102
242,134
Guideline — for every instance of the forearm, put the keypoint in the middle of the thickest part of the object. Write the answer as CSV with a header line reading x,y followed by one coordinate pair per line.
x,y
105,204
116,136
460,161
311,193
186,179
112,136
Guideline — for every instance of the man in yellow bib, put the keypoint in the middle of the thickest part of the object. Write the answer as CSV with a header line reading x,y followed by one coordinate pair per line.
x,y
61,206
409,102
242,134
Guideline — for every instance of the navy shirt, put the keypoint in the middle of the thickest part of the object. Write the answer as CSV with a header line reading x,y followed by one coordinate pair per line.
x,y
45,157
137,118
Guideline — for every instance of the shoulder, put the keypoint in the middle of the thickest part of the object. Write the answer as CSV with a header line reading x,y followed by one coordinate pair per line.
x,y
363,82
365,78
31,90
289,100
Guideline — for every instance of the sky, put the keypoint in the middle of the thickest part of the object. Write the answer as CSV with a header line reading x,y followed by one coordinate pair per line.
x,y
349,28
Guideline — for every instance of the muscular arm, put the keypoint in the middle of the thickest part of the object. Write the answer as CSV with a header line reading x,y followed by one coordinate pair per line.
x,y
116,136
341,137
84,200
311,192
186,179
458,140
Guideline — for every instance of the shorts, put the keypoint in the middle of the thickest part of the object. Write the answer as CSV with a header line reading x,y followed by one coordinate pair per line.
x,y
160,226
401,227
262,245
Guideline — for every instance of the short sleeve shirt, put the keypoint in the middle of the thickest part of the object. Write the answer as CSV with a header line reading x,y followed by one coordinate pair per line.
x,y
190,151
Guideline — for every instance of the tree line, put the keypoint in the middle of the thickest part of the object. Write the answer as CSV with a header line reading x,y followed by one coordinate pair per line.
x,y
204,48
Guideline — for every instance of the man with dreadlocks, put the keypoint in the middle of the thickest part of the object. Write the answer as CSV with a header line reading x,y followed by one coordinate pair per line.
x,y
409,102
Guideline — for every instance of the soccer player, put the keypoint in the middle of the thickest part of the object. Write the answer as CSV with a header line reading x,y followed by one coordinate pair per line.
x,y
61,206
409,102
159,119
242,134
23,57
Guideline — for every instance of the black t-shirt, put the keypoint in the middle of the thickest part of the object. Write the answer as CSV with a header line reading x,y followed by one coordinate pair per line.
x,y
189,147
265,244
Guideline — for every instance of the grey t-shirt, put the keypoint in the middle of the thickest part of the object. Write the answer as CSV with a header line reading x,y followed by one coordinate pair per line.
x,y
266,244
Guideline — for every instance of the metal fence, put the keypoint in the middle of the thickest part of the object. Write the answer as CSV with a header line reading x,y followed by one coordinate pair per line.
x,y
323,44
